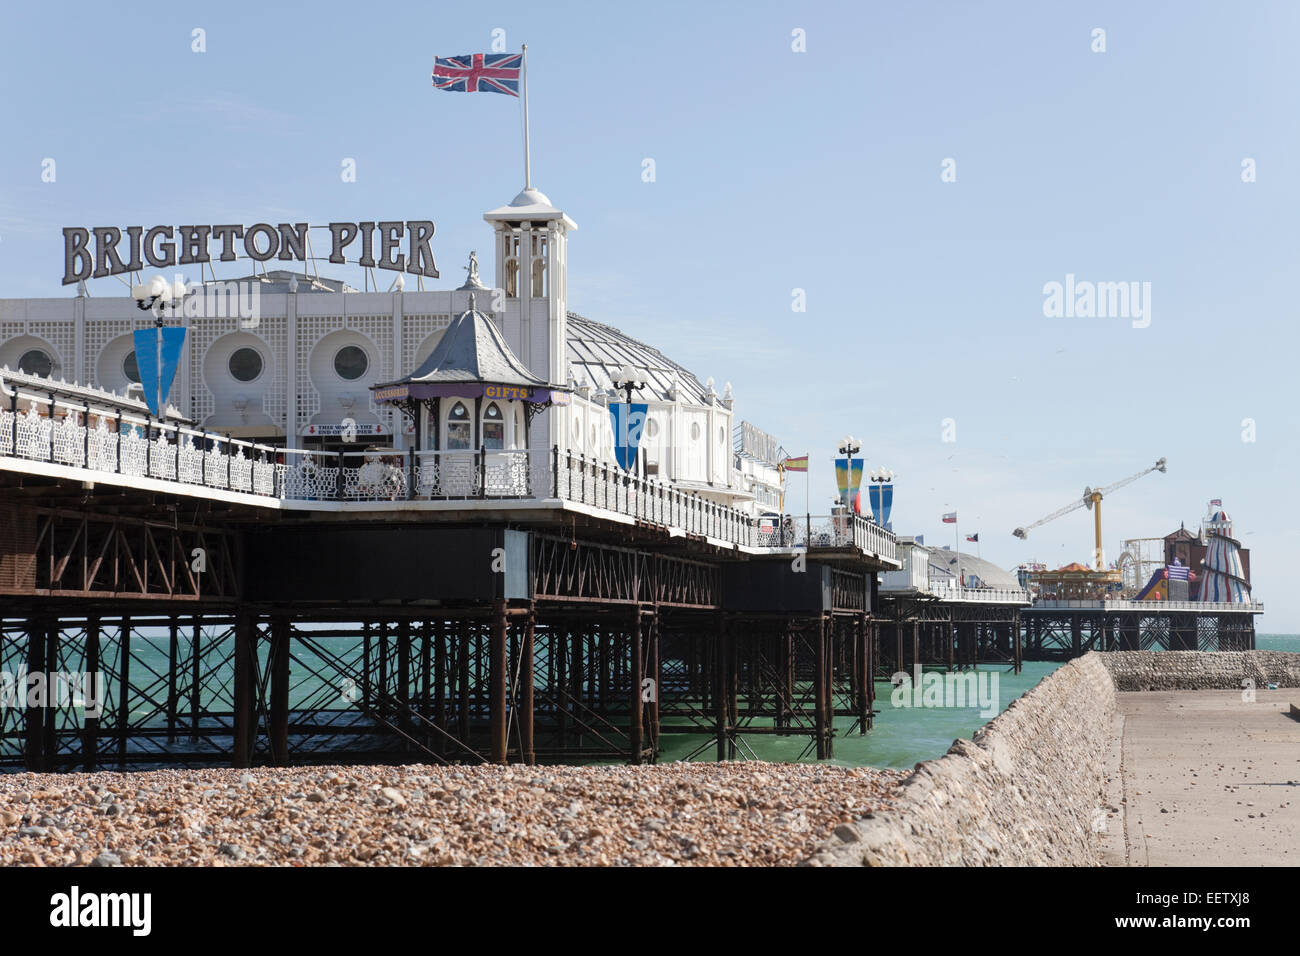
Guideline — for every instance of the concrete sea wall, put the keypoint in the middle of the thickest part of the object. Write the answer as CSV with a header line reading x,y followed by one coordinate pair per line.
x,y
1020,793
1200,670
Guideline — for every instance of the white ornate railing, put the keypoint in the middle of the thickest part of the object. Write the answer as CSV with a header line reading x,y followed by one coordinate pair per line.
x,y
1153,606
986,595
120,441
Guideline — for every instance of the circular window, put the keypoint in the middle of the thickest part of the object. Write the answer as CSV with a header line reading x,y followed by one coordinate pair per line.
x,y
36,362
130,367
695,431
651,428
351,362
245,364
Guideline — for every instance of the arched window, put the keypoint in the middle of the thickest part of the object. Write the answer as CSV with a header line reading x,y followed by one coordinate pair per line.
x,y
459,429
512,278
494,429
539,278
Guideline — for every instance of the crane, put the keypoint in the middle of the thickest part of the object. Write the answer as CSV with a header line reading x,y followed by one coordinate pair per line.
x,y
1091,499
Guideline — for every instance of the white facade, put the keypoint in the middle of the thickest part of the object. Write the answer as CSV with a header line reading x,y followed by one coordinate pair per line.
x,y
303,366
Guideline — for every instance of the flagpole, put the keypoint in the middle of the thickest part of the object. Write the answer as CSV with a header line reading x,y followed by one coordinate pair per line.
x,y
956,526
528,171
807,496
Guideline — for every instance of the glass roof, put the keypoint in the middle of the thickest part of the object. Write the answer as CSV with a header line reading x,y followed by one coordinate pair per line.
x,y
597,351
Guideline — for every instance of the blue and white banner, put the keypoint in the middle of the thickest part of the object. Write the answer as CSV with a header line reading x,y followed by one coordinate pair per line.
x,y
157,382
882,501
628,421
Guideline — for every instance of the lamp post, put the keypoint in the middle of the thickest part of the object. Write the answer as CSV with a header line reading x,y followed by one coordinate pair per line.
x,y
882,479
157,296
628,379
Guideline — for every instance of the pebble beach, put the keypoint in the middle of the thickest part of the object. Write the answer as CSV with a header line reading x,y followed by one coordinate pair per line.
x,y
693,814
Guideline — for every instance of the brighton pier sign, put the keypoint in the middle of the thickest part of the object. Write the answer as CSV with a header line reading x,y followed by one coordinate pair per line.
x,y
102,250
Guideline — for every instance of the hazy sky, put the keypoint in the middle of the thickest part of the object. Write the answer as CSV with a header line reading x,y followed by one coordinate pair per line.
x,y
778,170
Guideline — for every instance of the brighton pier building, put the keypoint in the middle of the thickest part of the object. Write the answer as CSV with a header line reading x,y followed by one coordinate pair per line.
x,y
395,524
300,373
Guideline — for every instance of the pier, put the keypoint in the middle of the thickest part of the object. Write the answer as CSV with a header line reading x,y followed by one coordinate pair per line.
x,y
258,605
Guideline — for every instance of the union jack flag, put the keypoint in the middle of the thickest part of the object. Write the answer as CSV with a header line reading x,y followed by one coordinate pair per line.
x,y
478,73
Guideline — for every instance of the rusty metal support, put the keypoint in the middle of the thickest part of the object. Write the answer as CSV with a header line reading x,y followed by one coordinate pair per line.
x,y
35,744
90,729
526,679
820,688
636,713
245,680
280,636
497,679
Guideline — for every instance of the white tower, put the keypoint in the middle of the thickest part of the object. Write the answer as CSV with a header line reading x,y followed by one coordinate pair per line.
x,y
532,272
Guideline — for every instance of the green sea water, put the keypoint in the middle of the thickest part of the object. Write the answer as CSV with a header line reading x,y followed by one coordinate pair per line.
x,y
904,736
901,736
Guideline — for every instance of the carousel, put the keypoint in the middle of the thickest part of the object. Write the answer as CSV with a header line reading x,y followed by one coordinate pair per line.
x,y
472,403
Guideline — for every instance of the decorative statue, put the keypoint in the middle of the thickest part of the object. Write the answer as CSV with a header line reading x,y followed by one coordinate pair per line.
x,y
473,269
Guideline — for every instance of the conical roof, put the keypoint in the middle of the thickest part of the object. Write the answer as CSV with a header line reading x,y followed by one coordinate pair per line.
x,y
473,350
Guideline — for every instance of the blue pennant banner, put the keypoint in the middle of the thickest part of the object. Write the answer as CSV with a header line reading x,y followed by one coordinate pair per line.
x,y
152,378
628,421
882,502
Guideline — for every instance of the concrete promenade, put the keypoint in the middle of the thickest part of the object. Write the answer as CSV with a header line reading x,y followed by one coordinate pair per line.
x,y
1203,778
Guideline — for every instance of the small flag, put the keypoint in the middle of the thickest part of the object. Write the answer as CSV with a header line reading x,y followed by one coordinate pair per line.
x,y
919,539
950,517
973,537
478,73
796,464
1216,503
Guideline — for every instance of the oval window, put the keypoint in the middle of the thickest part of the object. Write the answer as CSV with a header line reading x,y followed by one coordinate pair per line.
x,y
245,364
351,362
695,431
36,362
577,433
651,428
130,367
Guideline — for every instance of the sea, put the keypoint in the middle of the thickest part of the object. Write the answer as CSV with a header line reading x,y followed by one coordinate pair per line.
x,y
909,727
903,736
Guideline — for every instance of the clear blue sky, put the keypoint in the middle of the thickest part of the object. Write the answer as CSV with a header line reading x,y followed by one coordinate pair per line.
x,y
779,170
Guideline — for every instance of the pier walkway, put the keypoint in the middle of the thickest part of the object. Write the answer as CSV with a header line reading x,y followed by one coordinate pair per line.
x,y
1204,778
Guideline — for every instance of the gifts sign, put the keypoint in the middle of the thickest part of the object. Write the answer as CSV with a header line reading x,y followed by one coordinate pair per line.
x,y
628,421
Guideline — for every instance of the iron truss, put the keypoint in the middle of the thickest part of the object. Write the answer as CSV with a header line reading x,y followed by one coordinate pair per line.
x,y
53,552
586,572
